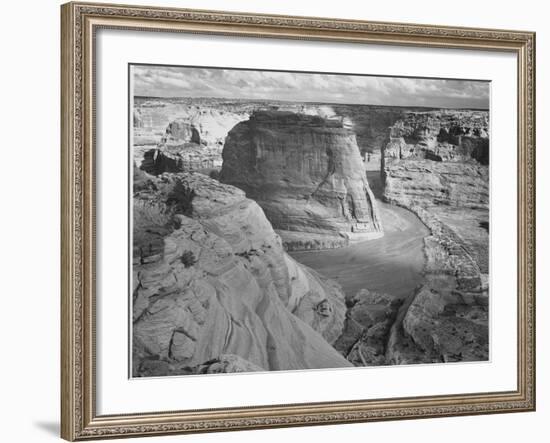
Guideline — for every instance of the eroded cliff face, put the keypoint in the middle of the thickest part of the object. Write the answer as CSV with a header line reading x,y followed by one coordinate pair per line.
x,y
432,183
215,292
370,124
438,158
212,119
179,136
441,136
436,165
307,175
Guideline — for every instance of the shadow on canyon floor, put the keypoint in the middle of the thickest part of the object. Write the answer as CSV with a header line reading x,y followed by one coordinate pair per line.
x,y
375,182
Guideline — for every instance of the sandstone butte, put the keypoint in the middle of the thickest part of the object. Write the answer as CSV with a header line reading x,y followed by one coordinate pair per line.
x,y
214,291
306,173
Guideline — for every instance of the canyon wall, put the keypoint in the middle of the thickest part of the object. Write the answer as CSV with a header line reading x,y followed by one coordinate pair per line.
x,y
370,123
436,165
211,119
307,174
214,290
438,158
176,135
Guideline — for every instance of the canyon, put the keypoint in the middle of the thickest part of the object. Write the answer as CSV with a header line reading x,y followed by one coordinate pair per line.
x,y
279,236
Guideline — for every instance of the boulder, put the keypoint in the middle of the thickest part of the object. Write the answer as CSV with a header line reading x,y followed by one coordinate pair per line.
x,y
369,319
439,325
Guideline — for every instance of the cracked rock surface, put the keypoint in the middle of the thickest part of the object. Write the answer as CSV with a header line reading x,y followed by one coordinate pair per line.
x,y
306,173
211,278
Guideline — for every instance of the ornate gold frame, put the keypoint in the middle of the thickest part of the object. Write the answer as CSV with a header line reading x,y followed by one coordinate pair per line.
x,y
79,21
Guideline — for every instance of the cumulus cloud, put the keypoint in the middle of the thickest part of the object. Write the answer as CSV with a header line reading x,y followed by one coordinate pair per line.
x,y
162,81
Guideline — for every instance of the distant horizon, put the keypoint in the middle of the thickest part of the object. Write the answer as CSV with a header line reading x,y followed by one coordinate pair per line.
x,y
176,97
172,82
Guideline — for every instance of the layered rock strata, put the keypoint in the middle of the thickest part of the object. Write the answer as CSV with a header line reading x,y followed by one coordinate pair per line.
x,y
185,157
210,118
211,279
436,165
307,175
178,137
435,184
451,136
445,181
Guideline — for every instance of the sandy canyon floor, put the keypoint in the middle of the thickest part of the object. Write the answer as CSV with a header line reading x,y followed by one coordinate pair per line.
x,y
392,264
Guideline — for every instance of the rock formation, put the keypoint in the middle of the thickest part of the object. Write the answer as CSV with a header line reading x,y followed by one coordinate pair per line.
x,y
370,124
180,158
191,143
307,175
211,118
214,290
440,324
369,320
451,136
434,183
445,319
225,363
179,132
211,279
174,135
436,165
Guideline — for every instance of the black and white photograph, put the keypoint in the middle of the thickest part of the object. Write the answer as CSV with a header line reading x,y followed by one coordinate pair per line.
x,y
288,220
275,221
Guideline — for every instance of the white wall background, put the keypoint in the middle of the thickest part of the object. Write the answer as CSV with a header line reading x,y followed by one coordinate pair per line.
x,y
29,224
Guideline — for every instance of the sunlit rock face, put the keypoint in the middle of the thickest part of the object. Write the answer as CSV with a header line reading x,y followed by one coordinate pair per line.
x,y
444,135
436,164
211,118
179,135
306,173
438,161
433,183
211,279
440,325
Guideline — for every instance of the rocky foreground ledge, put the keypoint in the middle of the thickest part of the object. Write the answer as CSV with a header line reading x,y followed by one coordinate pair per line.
x,y
211,280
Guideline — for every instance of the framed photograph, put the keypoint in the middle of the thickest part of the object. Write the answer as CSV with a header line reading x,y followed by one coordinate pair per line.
x,y
282,221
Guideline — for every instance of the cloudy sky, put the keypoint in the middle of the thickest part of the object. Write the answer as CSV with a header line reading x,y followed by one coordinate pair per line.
x,y
162,81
